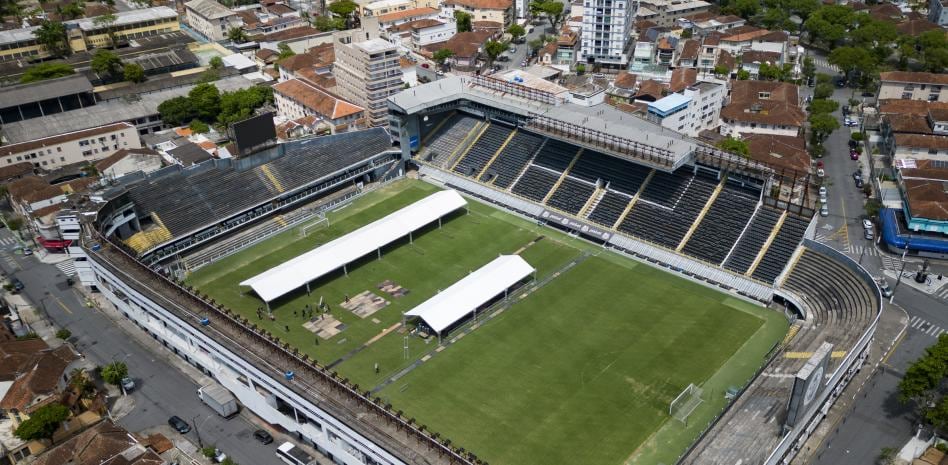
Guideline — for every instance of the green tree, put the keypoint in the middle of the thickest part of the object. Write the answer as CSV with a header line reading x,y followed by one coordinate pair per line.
x,y
554,10
734,145
236,35
328,23
803,8
73,10
580,69
823,106
240,104
53,36
822,125
743,8
284,51
441,56
721,70
872,32
134,72
493,49
887,456
45,71
176,111
106,62
850,59
216,63
743,74
823,91
63,334
536,8
42,423
113,372
809,68
776,18
107,21
205,101
343,8
199,127
516,31
463,20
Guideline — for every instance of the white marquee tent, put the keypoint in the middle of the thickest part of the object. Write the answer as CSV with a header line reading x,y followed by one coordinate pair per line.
x,y
300,271
468,294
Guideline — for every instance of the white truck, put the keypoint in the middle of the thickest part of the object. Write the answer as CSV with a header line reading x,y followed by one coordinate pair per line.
x,y
219,399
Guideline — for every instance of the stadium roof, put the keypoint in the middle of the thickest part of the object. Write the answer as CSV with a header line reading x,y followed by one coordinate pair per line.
x,y
476,289
296,273
43,90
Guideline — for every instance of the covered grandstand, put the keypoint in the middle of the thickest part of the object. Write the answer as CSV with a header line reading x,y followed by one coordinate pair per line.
x,y
472,292
303,269
176,209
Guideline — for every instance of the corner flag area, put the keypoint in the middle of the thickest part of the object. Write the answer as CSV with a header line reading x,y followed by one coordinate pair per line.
x,y
553,350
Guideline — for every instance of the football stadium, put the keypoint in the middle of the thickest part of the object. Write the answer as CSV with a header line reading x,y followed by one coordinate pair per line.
x,y
517,279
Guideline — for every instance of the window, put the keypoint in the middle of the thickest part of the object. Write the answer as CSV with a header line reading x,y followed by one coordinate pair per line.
x,y
933,98
906,95
62,159
59,149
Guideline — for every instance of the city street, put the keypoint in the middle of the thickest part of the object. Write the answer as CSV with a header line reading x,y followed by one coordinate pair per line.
x,y
162,389
878,420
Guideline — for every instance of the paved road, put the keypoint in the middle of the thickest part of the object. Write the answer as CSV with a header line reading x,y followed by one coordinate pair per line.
x,y
877,420
163,390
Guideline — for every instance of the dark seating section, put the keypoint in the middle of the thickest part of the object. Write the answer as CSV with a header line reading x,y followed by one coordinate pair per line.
x,y
535,183
609,209
191,199
623,176
781,249
722,224
682,198
508,165
449,137
483,150
749,245
571,195
556,155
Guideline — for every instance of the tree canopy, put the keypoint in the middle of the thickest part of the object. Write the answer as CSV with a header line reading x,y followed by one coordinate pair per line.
x,y
133,72
343,8
53,35
734,145
208,105
113,372
925,383
441,55
106,62
463,20
237,35
516,31
553,9
493,49
42,423
45,71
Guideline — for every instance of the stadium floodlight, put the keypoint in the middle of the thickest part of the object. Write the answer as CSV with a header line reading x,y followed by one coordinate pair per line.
x,y
686,403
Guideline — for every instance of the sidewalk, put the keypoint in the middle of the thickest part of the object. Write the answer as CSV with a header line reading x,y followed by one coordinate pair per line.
x,y
891,327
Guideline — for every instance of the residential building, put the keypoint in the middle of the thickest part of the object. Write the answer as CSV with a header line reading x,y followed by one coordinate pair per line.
x,y
211,19
561,53
72,147
922,185
465,47
745,38
296,99
919,147
762,107
751,61
318,60
907,85
379,8
606,32
128,161
704,23
422,32
32,380
938,12
665,13
86,33
498,11
105,443
395,18
781,152
688,56
696,108
622,89
367,70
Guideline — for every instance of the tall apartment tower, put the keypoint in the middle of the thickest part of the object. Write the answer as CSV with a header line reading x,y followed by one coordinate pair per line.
x,y
367,70
606,32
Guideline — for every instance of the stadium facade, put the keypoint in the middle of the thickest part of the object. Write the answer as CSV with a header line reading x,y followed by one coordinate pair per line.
x,y
654,195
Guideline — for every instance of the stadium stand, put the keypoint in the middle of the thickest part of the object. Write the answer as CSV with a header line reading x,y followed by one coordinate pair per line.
x,y
511,161
571,195
747,247
483,150
668,207
609,208
781,249
185,202
536,183
723,224
444,142
556,155
621,175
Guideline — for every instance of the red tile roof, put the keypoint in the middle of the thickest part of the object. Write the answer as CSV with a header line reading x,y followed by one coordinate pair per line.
x,y
406,14
482,4
689,50
780,107
913,77
318,100
682,78
625,80
779,151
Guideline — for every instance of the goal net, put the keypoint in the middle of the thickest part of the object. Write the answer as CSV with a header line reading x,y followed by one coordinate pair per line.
x,y
318,223
685,403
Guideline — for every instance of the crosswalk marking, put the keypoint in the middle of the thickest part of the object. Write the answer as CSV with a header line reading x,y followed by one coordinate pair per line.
x,y
870,251
891,263
821,61
941,293
924,327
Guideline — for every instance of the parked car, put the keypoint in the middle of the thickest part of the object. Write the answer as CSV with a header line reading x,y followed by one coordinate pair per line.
x,y
840,82
128,383
884,287
853,155
820,172
513,49
179,425
853,144
866,224
845,110
824,210
27,251
857,175
219,456
262,436
868,235
17,284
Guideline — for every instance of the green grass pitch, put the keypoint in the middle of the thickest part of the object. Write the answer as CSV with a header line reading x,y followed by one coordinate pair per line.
x,y
579,370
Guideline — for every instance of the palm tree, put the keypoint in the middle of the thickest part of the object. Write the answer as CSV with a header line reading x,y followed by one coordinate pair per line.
x,y
236,35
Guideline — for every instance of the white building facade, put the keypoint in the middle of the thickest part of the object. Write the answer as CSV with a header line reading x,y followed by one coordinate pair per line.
x,y
606,31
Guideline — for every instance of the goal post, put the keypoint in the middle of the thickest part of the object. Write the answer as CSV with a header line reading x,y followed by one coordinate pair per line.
x,y
685,404
317,223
